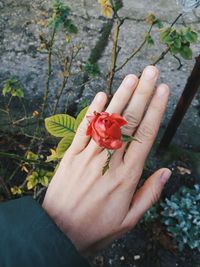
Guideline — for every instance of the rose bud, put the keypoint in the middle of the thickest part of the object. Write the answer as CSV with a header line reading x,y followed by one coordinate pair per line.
x,y
105,129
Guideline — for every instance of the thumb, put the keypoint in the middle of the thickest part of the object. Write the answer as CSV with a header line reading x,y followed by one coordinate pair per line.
x,y
146,196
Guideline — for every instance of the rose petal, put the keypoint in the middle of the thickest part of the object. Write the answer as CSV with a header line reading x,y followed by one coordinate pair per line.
x,y
114,131
119,119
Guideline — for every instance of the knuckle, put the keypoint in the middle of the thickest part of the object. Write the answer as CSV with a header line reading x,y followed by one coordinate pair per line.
x,y
146,132
132,120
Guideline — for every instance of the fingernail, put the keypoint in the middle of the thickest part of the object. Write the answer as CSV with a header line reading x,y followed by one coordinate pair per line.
x,y
165,176
99,97
161,90
150,72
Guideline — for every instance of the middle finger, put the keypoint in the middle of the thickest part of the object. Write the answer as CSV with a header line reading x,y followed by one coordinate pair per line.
x,y
136,107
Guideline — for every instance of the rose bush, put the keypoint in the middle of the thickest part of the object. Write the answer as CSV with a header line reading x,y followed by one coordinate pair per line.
x,y
105,129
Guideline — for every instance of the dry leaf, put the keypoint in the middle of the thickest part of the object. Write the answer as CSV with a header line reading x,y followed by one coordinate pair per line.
x,y
183,170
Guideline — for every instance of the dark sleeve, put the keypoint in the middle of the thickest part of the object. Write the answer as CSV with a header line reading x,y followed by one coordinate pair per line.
x,y
29,238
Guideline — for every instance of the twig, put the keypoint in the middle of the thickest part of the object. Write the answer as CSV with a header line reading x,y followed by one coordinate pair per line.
x,y
137,50
162,55
179,61
46,92
176,19
39,192
114,58
67,68
20,158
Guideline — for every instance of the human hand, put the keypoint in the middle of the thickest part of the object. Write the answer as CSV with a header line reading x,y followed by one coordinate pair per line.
x,y
93,209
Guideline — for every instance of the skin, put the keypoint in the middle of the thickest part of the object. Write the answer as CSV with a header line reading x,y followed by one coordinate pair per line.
x,y
91,209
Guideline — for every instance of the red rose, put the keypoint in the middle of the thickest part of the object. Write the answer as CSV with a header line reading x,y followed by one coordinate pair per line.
x,y
105,129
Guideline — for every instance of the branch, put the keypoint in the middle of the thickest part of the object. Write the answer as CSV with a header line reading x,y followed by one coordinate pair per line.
x,y
20,158
46,92
65,78
114,57
137,50
162,55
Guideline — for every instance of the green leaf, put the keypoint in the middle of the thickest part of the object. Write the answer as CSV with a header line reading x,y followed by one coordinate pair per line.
x,y
164,34
64,144
127,138
150,40
32,182
70,27
191,37
44,181
60,125
177,42
92,69
6,89
13,87
15,190
159,24
80,117
174,50
32,156
186,52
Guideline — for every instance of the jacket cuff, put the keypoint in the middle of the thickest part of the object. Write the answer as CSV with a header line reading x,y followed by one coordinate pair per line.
x,y
30,238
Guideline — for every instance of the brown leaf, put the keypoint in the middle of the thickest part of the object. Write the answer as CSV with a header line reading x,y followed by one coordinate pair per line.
x,y
183,170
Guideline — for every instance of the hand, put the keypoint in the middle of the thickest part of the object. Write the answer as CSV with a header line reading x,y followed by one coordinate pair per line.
x,y
93,209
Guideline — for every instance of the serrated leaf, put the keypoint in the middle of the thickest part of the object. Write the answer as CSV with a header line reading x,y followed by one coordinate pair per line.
x,y
186,52
64,145
174,50
60,125
164,34
80,117
191,37
70,27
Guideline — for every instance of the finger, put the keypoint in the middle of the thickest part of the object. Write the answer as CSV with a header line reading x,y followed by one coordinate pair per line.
x,y
118,103
136,107
123,94
137,152
80,140
146,196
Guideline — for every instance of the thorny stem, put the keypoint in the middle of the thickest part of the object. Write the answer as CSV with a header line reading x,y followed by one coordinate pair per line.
x,y
161,57
167,50
46,92
114,57
67,68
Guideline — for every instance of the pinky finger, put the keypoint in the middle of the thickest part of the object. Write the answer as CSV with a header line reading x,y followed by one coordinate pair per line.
x,y
146,196
81,140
